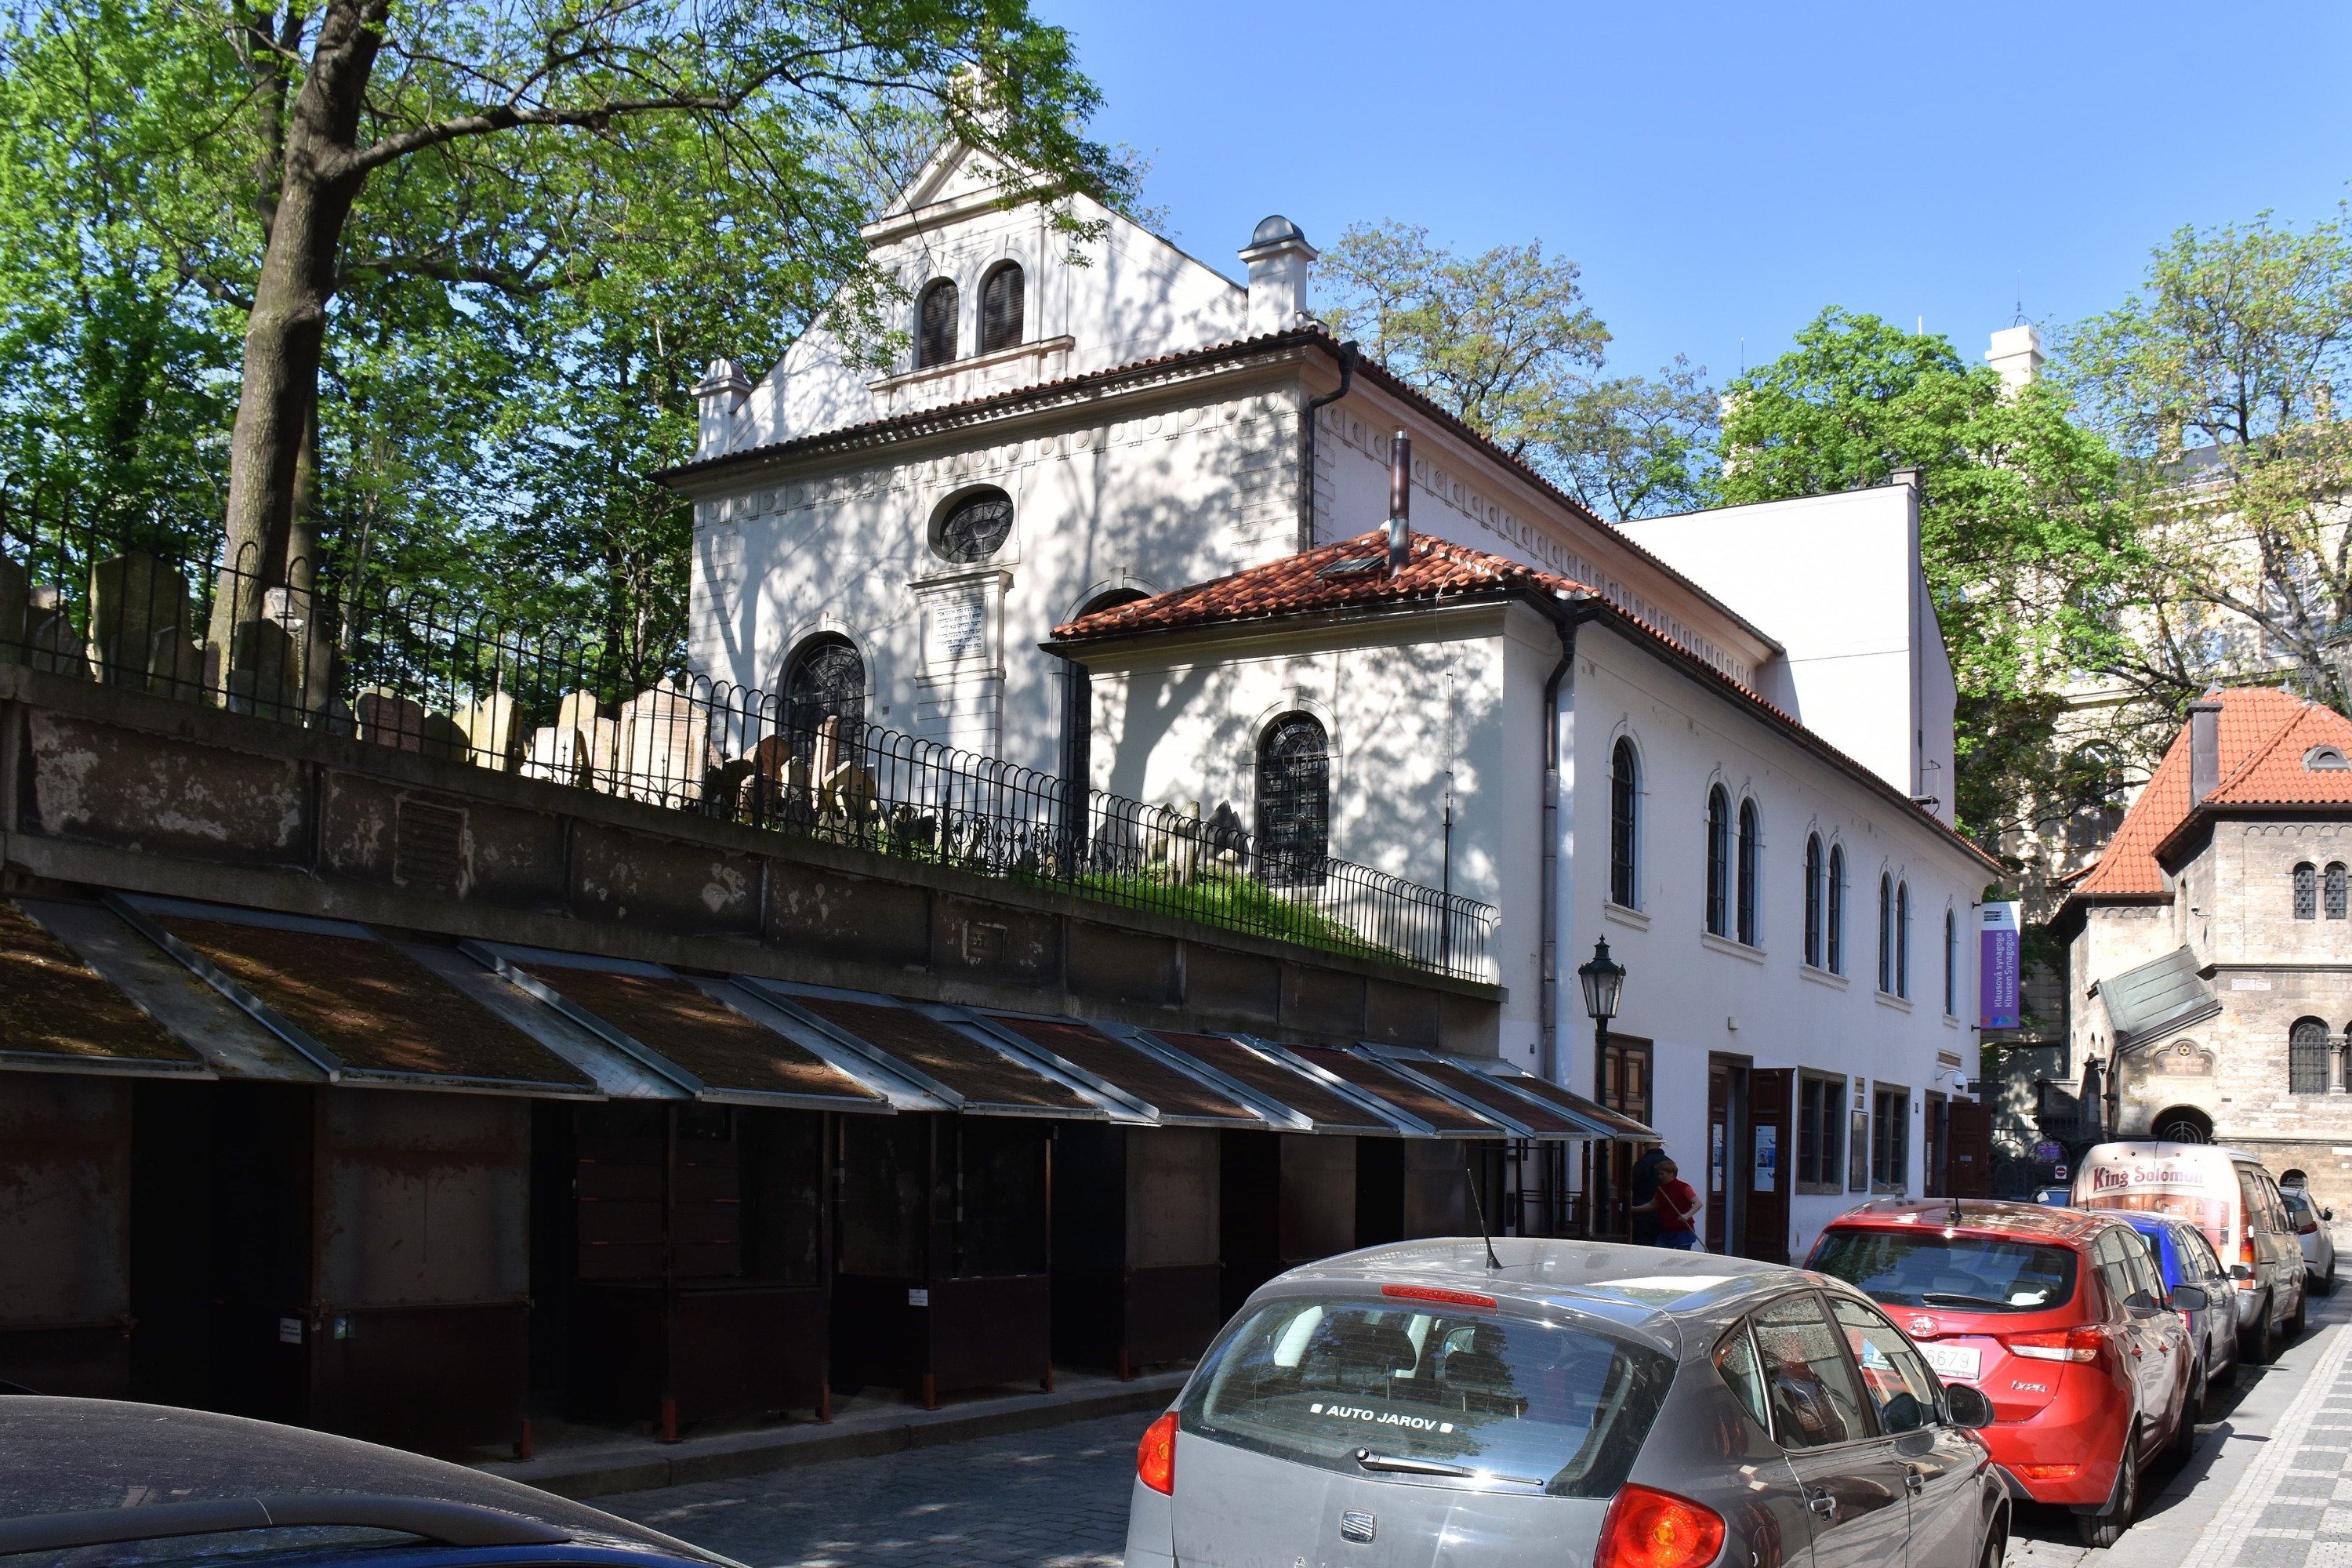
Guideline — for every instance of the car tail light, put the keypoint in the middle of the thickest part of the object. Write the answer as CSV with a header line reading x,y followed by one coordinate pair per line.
x,y
2058,1345
1443,1296
2310,1228
1155,1456
2047,1473
2246,1280
1650,1528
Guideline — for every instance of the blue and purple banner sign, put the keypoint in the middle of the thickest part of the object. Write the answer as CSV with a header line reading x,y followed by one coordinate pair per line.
x,y
1997,960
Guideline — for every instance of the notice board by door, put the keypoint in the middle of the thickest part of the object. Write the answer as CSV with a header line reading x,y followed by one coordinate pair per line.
x,y
1772,1096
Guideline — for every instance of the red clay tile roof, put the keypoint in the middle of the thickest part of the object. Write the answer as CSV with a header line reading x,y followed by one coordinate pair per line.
x,y
1349,574
1353,574
2264,734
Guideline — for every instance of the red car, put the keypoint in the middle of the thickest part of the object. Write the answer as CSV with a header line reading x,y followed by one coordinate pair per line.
x,y
2060,1317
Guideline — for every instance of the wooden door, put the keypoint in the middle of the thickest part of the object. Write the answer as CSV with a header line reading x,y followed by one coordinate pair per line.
x,y
1718,1152
1968,1148
1771,1097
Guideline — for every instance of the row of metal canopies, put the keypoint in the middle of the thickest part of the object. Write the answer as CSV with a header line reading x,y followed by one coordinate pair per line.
x,y
647,1194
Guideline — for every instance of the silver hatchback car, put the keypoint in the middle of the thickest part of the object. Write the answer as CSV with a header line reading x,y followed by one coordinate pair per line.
x,y
1625,1406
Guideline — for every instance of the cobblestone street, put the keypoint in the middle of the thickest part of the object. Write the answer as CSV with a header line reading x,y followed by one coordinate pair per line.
x,y
1054,1498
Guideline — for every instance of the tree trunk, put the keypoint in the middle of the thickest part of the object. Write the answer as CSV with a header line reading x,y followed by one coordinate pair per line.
x,y
277,403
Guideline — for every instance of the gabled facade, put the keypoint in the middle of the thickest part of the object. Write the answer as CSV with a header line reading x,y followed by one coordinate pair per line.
x,y
2211,947
1786,1038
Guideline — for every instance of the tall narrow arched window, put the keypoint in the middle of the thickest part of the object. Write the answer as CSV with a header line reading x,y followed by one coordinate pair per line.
x,y
825,680
1834,895
1814,910
1624,794
1903,939
935,325
1718,861
2306,891
1747,853
1000,309
2307,1057
2333,886
1294,800
1951,964
1886,932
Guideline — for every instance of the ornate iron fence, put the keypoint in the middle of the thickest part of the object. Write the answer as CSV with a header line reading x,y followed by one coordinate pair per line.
x,y
418,675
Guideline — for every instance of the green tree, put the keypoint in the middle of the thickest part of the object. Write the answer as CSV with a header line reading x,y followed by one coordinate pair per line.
x,y
2219,380
1504,342
2024,536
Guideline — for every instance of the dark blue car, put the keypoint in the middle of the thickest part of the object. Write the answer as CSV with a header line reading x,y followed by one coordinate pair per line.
x,y
98,1482
2184,1256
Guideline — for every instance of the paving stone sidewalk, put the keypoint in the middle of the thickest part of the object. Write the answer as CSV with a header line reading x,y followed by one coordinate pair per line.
x,y
1053,1498
2293,1505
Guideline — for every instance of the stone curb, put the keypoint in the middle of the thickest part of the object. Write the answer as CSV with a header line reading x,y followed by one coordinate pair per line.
x,y
2224,1536
758,1453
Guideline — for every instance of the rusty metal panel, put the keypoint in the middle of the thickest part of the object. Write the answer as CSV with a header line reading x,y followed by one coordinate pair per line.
x,y
425,1198
57,1013
1318,1196
65,1200
138,790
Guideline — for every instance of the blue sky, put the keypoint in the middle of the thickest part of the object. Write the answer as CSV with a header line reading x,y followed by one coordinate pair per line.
x,y
1722,171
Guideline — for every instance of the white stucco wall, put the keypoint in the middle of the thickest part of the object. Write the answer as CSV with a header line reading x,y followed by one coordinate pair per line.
x,y
1836,579
1684,986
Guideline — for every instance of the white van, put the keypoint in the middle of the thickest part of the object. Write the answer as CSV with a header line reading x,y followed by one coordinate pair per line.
x,y
2227,1194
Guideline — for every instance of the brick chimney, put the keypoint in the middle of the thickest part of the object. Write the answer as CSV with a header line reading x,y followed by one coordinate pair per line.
x,y
1278,256
2204,750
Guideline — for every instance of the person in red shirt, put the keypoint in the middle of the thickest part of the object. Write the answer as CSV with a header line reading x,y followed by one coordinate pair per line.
x,y
1676,1205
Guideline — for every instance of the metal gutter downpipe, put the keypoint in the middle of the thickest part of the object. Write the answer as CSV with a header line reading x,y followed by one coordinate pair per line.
x,y
1347,351
1399,501
1548,954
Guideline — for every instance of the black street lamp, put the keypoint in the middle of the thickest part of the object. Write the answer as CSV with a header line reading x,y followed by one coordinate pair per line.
x,y
1605,982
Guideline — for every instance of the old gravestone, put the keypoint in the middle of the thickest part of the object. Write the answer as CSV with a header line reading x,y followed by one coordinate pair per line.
x,y
133,598
663,750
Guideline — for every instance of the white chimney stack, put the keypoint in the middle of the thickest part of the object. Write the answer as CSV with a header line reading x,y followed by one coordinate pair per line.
x,y
718,398
1277,256
2016,354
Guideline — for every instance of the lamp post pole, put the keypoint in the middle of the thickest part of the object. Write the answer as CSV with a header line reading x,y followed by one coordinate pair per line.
x,y
1603,979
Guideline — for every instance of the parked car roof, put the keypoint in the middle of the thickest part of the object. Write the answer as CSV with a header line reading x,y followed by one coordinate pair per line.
x,y
2038,1222
1638,1289
69,1456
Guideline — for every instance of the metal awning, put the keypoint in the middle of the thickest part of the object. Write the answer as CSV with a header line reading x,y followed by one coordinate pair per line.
x,y
1614,1124
1525,1117
1311,1101
618,1074
1425,1111
675,1027
1155,1083
58,1015
353,1004
962,1066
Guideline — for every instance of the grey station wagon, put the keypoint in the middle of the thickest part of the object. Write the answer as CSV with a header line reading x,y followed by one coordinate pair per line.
x,y
1615,1406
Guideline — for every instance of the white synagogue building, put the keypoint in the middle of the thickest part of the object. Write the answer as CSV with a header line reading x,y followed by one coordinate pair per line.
x,y
1110,518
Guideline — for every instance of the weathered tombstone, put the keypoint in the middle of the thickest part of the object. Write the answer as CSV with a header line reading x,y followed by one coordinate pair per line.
x,y
132,598
663,752
51,643
175,665
263,674
558,754
15,598
491,725
390,719
446,738
778,789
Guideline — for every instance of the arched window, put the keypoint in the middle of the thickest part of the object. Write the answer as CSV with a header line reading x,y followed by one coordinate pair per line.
x,y
1294,800
1747,851
1951,964
1902,940
1718,862
1886,932
2335,890
1833,928
825,680
935,326
1813,912
1000,309
2307,1057
2306,892
976,527
1624,791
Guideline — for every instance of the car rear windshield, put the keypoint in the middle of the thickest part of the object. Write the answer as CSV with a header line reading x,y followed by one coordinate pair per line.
x,y
1970,1273
1439,1396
